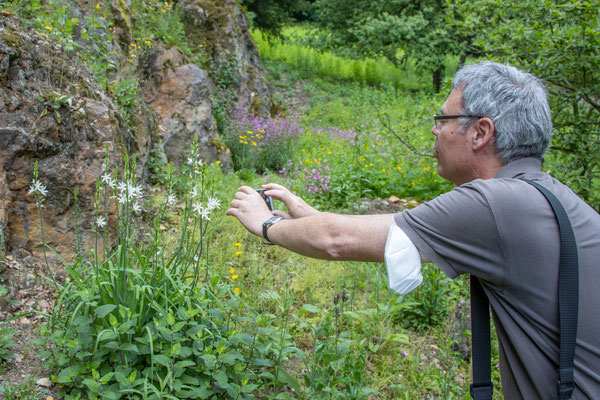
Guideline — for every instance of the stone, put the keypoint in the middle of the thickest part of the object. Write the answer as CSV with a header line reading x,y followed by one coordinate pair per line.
x,y
44,382
69,150
178,92
393,199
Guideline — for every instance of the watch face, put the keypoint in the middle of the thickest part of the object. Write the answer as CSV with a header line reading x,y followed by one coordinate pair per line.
x,y
273,219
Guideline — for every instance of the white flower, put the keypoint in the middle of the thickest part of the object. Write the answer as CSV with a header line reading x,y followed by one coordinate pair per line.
x,y
122,198
199,163
213,203
101,222
205,214
194,192
136,191
122,186
171,199
136,207
198,208
107,179
37,187
190,161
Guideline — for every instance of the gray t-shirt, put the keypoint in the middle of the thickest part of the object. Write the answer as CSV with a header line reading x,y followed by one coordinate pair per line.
x,y
503,231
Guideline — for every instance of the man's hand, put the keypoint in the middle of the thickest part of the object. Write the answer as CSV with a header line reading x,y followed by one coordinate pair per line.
x,y
250,209
297,208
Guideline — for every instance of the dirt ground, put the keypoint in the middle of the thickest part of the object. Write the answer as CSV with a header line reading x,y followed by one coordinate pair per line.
x,y
29,299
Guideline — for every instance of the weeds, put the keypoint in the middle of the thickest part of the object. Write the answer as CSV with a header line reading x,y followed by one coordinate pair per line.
x,y
20,391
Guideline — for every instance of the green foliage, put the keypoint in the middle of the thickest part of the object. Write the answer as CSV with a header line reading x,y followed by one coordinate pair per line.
x,y
396,30
272,15
125,90
6,335
310,63
433,300
338,357
558,42
53,102
160,21
225,73
20,391
146,322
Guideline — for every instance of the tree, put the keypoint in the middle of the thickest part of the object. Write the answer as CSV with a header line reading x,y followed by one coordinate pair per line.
x,y
394,29
558,41
272,15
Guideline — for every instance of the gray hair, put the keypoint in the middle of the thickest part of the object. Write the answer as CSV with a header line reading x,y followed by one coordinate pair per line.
x,y
516,102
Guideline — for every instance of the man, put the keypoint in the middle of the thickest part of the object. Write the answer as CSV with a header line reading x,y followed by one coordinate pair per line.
x,y
494,128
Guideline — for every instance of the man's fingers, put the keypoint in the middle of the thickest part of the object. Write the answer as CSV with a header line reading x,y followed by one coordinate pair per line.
x,y
282,214
271,186
246,189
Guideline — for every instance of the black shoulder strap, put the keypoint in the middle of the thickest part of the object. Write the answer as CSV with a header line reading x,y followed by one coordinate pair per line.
x,y
568,297
481,388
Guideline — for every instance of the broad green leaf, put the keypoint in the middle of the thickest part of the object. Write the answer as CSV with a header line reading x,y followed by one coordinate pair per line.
x,y
104,310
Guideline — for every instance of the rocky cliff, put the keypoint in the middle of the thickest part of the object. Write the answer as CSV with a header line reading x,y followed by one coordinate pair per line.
x,y
56,111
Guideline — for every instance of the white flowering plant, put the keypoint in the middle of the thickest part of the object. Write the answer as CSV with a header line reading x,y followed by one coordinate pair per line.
x,y
146,319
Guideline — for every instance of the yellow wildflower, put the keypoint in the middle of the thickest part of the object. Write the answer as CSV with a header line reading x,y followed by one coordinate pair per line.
x,y
48,28
231,271
237,289
238,253
98,6
162,228
238,245
253,143
234,277
250,132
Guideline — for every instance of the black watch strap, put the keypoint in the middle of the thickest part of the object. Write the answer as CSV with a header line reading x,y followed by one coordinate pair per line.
x,y
267,224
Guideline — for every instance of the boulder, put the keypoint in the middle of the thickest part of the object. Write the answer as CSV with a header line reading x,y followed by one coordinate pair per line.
x,y
179,93
51,112
220,27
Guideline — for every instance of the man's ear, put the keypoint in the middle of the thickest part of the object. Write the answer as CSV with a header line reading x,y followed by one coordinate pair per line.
x,y
484,133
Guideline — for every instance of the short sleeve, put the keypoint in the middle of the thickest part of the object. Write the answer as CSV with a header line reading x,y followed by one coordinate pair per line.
x,y
457,231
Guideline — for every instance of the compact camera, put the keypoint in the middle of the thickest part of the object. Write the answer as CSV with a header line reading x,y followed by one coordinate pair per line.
x,y
267,199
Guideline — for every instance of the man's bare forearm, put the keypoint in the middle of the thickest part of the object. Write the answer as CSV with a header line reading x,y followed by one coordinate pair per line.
x,y
334,236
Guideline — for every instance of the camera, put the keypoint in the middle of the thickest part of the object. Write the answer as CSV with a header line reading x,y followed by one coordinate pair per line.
x,y
267,199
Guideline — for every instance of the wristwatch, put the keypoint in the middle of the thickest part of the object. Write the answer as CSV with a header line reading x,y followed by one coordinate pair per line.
x,y
273,220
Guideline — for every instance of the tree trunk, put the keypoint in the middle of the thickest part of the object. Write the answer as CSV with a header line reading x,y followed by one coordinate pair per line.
x,y
461,60
437,79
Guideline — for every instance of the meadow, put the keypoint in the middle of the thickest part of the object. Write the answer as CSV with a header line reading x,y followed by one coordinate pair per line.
x,y
187,304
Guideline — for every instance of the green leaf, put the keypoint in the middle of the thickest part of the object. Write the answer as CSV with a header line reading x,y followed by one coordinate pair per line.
x,y
221,377
209,360
286,378
162,359
309,308
184,364
130,347
106,378
104,310
177,327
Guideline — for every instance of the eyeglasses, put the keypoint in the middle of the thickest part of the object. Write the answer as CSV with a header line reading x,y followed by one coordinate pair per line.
x,y
438,118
